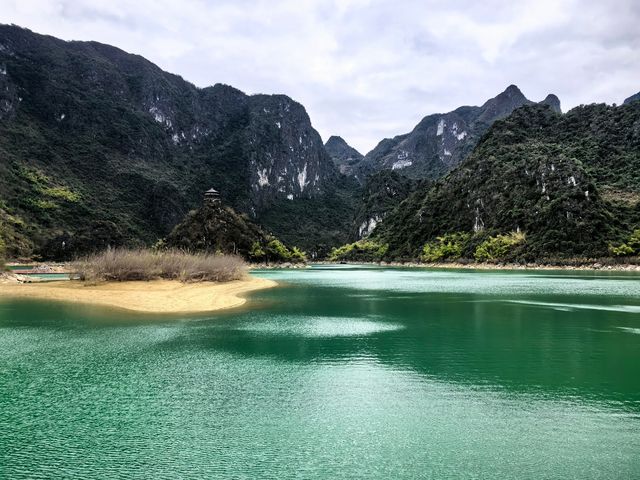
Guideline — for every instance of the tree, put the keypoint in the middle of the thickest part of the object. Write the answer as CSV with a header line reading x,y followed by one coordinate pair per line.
x,y
448,246
256,252
499,247
298,256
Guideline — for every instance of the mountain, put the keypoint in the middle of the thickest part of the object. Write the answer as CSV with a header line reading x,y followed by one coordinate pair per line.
x,y
570,183
343,155
98,144
382,192
632,98
552,101
441,141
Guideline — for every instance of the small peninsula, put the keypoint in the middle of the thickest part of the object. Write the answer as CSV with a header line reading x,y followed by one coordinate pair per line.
x,y
156,296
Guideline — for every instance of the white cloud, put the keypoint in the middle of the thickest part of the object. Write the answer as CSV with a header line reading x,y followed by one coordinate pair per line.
x,y
368,69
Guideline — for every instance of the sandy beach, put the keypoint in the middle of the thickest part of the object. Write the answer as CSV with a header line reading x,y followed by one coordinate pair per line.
x,y
157,296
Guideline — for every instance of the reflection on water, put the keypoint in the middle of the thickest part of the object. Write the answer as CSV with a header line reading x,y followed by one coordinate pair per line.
x,y
341,373
307,326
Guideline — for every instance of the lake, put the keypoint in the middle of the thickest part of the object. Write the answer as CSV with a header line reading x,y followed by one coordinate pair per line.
x,y
341,372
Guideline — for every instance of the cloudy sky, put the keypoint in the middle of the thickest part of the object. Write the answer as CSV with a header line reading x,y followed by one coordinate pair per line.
x,y
368,69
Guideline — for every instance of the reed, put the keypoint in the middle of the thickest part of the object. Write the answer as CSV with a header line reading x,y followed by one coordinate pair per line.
x,y
139,264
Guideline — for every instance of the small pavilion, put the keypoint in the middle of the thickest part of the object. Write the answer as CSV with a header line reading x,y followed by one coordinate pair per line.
x,y
212,196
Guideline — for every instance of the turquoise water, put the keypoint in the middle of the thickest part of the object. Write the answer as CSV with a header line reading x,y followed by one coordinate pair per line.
x,y
41,277
341,372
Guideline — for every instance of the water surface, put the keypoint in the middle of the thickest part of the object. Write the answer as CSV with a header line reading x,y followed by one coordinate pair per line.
x,y
342,372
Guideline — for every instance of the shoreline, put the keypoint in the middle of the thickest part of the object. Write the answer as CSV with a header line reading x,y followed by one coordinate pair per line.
x,y
595,266
155,296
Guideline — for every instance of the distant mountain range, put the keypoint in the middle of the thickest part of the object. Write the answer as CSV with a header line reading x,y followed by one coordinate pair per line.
x,y
101,148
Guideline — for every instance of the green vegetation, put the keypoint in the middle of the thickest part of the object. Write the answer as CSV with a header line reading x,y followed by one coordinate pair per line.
x,y
14,235
500,247
109,150
257,253
276,252
297,255
42,204
382,192
43,186
216,228
361,251
129,265
628,248
536,171
61,193
315,224
446,247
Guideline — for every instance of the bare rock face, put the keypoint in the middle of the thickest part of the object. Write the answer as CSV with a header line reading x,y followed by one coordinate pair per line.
x,y
286,155
441,141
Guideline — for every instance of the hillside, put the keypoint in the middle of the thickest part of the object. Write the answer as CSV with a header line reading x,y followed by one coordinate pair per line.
x,y
441,141
569,182
100,147
217,228
343,155
381,194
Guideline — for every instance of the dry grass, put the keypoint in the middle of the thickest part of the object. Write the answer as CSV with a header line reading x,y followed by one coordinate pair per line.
x,y
625,197
127,265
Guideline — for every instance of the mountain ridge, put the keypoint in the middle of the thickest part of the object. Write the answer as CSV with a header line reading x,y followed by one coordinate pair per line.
x,y
441,141
632,98
570,182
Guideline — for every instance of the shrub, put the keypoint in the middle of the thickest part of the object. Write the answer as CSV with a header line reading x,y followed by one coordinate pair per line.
x,y
499,247
126,265
622,250
634,241
448,246
298,256
628,248
363,250
257,252
277,251
62,193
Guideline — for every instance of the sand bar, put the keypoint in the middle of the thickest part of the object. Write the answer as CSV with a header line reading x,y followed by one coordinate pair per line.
x,y
157,296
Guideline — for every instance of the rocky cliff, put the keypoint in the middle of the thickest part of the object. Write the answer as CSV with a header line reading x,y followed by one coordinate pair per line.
x,y
91,135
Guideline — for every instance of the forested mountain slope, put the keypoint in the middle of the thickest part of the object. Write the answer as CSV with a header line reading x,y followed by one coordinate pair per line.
x,y
98,146
569,182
